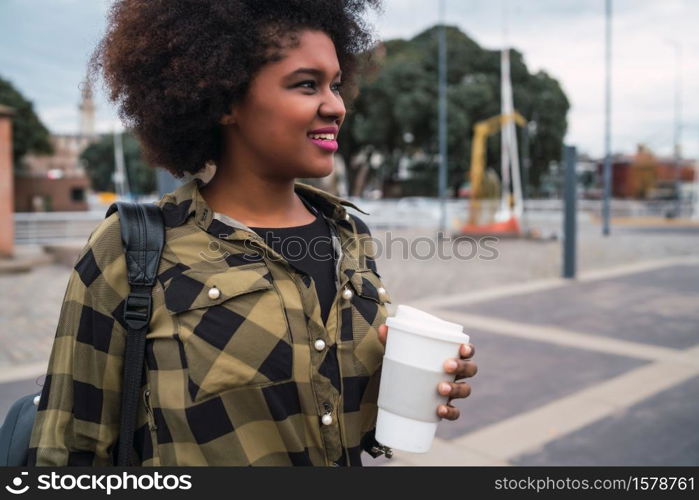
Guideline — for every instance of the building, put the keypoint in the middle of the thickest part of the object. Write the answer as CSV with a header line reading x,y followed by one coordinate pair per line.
x,y
645,176
7,227
58,182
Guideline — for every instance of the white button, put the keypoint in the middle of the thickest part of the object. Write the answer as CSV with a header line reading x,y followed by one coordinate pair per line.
x,y
347,217
36,399
319,344
327,419
214,293
381,290
347,294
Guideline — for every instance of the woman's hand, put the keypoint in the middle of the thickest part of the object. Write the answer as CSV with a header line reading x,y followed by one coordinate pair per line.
x,y
461,368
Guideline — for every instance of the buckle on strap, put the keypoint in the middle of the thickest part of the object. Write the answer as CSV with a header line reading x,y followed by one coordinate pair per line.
x,y
377,450
137,310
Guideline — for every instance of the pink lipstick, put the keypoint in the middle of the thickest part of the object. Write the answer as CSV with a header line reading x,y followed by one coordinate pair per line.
x,y
325,138
325,144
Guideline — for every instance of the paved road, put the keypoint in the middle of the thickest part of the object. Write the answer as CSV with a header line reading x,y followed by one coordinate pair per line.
x,y
594,371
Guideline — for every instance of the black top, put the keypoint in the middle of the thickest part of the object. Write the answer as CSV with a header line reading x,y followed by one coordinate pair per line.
x,y
309,249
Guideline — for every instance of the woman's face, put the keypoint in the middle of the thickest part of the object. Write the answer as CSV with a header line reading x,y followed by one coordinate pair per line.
x,y
286,126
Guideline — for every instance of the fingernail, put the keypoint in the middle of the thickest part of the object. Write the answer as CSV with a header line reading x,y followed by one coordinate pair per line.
x,y
451,365
444,388
467,350
442,410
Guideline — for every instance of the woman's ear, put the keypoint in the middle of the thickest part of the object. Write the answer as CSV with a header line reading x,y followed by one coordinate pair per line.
x,y
228,118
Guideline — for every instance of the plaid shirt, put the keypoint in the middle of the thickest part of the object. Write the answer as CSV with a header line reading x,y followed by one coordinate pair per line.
x,y
240,369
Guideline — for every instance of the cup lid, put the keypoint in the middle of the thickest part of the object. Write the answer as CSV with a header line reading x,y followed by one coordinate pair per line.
x,y
422,323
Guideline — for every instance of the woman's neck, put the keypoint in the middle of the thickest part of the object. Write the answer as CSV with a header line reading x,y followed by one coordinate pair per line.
x,y
254,200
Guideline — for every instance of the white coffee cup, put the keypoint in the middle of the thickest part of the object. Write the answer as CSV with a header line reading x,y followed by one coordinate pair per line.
x,y
418,344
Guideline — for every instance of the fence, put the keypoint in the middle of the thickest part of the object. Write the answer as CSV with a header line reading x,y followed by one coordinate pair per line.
x,y
53,227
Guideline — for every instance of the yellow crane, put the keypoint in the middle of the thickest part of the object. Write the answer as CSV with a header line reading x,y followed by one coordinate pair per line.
x,y
481,131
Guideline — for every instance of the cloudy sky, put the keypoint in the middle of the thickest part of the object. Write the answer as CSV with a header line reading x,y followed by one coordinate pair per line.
x,y
44,45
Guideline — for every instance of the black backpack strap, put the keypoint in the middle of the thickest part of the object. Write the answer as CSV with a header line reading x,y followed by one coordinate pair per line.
x,y
143,235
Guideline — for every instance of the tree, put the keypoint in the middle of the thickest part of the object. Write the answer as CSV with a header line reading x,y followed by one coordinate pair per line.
x,y
100,166
28,133
399,101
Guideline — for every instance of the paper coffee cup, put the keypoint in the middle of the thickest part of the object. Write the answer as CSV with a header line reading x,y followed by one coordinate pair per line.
x,y
418,344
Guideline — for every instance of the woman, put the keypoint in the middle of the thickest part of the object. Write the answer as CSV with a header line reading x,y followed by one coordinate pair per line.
x,y
256,355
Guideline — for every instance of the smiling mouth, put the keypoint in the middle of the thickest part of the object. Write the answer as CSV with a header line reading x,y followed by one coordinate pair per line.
x,y
326,142
324,137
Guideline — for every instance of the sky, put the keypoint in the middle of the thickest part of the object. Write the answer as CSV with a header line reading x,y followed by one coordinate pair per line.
x,y
45,45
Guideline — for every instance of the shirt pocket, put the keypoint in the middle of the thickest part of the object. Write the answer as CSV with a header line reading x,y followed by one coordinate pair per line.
x,y
232,327
368,313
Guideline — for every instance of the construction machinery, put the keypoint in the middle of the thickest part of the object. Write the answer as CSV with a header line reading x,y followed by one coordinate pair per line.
x,y
505,221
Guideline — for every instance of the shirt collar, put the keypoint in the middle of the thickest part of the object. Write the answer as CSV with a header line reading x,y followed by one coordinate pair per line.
x,y
186,201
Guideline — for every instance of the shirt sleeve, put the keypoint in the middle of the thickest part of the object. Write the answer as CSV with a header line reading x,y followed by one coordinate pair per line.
x,y
371,393
367,247
368,441
77,420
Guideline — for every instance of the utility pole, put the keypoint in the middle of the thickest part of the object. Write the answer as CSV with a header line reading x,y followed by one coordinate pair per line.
x,y
607,169
570,212
677,129
121,181
695,210
510,204
442,119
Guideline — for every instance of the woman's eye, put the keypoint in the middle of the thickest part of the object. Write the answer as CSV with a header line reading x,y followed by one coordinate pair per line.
x,y
308,84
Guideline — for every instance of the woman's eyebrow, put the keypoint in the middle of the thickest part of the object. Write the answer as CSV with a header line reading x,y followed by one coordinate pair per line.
x,y
311,71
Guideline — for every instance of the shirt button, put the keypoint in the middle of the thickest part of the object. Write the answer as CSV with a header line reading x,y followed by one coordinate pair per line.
x,y
319,345
327,419
382,292
347,217
214,293
347,294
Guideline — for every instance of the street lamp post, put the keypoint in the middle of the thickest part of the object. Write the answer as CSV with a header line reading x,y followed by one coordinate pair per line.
x,y
607,169
442,119
677,129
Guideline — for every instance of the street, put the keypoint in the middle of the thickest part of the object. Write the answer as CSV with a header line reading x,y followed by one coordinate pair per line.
x,y
601,370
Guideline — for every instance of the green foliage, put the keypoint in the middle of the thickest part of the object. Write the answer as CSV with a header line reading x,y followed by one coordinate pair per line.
x,y
28,133
402,97
99,162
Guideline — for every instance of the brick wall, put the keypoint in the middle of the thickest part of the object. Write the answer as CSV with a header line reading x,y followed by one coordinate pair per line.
x,y
41,194
7,227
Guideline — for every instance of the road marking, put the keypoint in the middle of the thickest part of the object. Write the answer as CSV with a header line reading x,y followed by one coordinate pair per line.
x,y
560,336
503,441
490,294
443,301
22,372
443,452
639,267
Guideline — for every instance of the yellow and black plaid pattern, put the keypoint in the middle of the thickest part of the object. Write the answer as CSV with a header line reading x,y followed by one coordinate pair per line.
x,y
232,377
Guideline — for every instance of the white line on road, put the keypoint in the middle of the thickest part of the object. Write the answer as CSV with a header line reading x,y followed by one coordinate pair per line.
x,y
22,372
560,336
530,431
548,284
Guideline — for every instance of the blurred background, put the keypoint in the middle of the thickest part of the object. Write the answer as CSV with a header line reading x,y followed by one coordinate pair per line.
x,y
530,170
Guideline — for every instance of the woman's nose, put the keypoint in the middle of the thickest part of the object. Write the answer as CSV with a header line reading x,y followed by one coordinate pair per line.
x,y
333,108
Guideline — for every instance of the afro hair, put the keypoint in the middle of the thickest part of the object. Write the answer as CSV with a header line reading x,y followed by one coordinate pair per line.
x,y
175,67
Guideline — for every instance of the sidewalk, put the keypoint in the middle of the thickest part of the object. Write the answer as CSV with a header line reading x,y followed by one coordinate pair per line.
x,y
25,258
603,370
